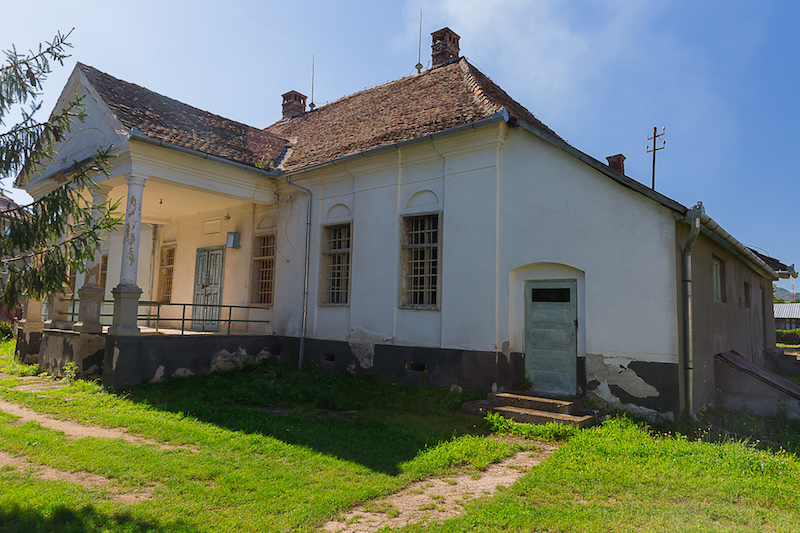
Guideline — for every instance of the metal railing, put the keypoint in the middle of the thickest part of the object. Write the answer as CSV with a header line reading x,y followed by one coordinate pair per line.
x,y
148,316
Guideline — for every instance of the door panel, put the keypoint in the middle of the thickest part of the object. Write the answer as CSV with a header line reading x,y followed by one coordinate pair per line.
x,y
208,277
551,313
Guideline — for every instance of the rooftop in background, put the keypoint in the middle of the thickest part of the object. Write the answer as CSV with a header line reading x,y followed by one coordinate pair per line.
x,y
787,310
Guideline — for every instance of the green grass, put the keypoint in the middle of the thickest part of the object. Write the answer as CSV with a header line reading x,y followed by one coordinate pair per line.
x,y
269,448
621,477
9,365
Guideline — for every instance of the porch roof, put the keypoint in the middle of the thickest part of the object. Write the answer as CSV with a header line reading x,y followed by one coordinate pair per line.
x,y
164,119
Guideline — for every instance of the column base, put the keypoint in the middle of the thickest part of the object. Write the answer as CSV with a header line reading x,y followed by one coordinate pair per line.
x,y
126,310
91,300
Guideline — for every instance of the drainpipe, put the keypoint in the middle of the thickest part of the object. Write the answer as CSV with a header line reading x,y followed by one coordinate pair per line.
x,y
305,276
693,217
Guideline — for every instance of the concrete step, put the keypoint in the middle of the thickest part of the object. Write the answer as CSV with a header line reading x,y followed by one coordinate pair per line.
x,y
537,403
477,408
532,416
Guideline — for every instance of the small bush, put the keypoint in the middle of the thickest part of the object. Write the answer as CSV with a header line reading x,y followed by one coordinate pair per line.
x,y
552,431
6,331
788,336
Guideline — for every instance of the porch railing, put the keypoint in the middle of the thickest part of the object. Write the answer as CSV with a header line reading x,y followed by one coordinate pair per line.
x,y
149,316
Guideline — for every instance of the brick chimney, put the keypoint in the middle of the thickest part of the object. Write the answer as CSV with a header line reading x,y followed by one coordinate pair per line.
x,y
617,162
294,104
444,48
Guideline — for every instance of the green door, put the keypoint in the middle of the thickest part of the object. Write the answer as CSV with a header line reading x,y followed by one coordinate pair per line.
x,y
207,288
551,324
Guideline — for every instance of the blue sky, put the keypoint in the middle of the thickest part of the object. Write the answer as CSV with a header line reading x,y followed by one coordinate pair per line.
x,y
721,76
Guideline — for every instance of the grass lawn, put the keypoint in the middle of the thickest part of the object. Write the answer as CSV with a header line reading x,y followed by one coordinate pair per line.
x,y
269,448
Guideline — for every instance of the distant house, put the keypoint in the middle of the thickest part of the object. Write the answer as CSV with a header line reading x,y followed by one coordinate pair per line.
x,y
787,316
427,230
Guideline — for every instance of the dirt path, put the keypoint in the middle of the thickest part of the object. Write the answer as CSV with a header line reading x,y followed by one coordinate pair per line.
x,y
84,479
73,429
436,499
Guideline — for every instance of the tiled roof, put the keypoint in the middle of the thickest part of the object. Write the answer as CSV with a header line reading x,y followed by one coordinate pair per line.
x,y
436,100
6,203
771,262
415,106
786,310
171,121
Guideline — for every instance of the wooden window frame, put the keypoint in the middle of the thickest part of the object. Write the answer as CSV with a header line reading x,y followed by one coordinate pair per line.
x,y
420,250
262,272
718,279
166,273
337,264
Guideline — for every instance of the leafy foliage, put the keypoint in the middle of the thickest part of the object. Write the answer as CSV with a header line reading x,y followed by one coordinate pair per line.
x,y
59,232
551,431
791,336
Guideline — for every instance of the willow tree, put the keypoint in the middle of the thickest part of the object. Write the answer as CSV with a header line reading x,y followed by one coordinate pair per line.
x,y
41,243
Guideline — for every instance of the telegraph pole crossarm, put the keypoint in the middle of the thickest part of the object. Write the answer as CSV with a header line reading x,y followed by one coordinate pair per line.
x,y
655,148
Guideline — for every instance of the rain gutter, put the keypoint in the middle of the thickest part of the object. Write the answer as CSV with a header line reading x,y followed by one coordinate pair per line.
x,y
302,350
693,216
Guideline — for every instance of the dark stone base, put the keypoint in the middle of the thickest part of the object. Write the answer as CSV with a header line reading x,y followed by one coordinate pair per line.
x,y
664,377
131,360
28,346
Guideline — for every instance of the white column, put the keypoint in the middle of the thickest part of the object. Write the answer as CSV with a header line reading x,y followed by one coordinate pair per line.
x,y
127,293
133,226
99,197
91,293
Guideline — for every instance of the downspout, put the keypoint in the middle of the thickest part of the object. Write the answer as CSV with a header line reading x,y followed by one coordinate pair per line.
x,y
693,217
302,350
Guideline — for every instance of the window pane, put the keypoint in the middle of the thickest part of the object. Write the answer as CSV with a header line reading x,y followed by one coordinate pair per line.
x,y
421,260
336,264
263,281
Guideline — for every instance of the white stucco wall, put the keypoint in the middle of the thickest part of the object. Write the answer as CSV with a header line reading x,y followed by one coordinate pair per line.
x,y
513,208
559,210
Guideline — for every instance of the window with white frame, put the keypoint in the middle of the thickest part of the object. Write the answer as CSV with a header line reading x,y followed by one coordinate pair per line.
x,y
420,253
263,280
336,245
718,279
166,273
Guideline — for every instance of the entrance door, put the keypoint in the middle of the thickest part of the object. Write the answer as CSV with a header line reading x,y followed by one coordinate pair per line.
x,y
207,288
551,323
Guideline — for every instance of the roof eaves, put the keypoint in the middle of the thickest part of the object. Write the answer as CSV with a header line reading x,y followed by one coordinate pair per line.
x,y
710,228
136,135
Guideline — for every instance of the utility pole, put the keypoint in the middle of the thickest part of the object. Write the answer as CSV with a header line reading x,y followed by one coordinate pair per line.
x,y
655,148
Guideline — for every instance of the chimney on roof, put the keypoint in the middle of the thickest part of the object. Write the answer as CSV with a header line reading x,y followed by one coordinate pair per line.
x,y
294,104
617,162
444,49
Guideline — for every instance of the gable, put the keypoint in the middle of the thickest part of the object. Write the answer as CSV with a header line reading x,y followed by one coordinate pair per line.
x,y
100,128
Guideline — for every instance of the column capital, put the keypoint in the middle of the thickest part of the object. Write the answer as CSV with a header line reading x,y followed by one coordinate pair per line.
x,y
100,192
136,179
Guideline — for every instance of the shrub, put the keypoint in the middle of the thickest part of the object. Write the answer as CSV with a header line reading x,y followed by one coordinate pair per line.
x,y
6,331
788,337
